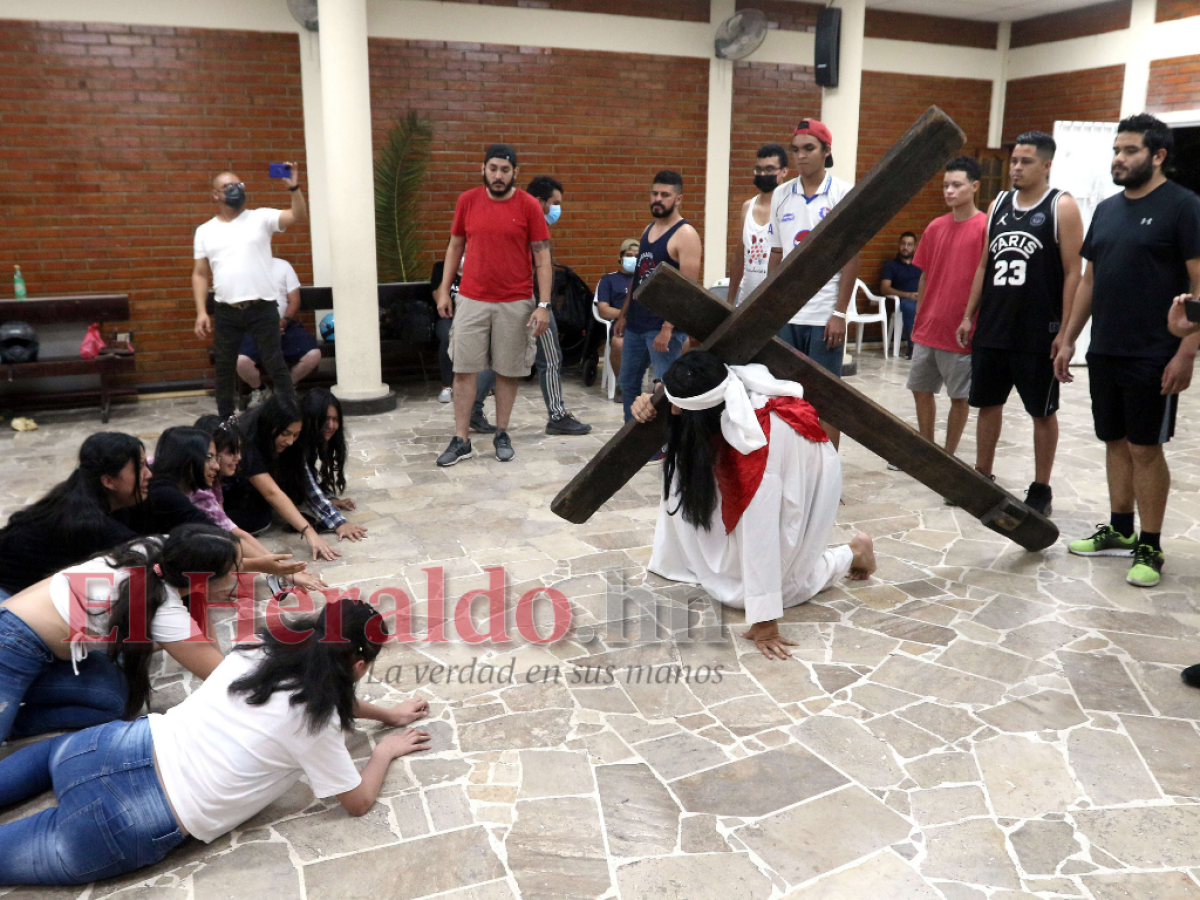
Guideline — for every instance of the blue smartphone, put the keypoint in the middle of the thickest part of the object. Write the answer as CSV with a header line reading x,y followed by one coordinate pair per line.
x,y
281,170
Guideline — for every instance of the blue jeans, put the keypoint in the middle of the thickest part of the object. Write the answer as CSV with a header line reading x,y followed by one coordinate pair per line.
x,y
55,698
810,340
908,314
112,815
638,353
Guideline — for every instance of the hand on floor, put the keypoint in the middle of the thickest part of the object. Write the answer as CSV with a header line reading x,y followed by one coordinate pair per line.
x,y
769,641
406,713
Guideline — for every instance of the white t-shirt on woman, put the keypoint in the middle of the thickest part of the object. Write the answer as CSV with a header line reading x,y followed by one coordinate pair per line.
x,y
223,761
87,608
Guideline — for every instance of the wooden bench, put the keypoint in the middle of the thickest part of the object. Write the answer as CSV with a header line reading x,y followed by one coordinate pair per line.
x,y
64,309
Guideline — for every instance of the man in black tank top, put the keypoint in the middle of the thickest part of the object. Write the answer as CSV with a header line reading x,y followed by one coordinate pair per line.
x,y
649,341
1023,291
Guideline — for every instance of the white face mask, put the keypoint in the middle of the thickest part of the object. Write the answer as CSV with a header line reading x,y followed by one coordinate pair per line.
x,y
629,263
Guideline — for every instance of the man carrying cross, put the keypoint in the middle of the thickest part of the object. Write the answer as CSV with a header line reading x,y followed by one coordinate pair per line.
x,y
751,486
746,335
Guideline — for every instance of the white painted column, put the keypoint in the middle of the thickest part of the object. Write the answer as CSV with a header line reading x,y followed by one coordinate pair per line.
x,y
839,105
351,202
1137,62
716,174
316,178
999,86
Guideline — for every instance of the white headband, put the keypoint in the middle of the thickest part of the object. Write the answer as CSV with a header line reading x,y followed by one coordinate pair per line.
x,y
739,423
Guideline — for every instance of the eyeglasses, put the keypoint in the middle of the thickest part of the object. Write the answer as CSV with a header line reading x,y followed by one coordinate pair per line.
x,y
773,170
210,457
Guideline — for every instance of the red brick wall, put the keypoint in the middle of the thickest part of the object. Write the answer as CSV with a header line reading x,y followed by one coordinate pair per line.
x,y
679,10
1098,19
109,135
930,29
786,15
890,104
1089,95
760,118
1174,84
600,123
1169,10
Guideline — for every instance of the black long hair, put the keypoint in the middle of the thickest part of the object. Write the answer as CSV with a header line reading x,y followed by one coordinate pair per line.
x,y
180,457
325,457
691,437
317,672
188,548
77,511
225,434
261,426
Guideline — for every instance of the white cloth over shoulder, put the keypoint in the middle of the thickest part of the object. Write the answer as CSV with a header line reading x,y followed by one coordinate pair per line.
x,y
777,555
745,389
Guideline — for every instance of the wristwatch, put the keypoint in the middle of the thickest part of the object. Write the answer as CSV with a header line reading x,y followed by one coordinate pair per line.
x,y
543,304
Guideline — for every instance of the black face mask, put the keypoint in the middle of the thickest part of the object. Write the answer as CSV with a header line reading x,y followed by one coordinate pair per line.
x,y
235,196
766,183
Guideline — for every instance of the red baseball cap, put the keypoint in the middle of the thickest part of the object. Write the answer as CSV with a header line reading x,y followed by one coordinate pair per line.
x,y
820,131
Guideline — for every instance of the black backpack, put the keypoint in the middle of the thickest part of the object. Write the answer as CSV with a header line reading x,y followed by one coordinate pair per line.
x,y
18,343
571,299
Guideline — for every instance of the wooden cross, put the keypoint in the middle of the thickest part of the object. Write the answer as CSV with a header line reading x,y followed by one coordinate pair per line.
x,y
747,334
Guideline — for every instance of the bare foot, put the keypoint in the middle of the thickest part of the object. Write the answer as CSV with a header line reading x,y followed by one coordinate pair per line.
x,y
863,565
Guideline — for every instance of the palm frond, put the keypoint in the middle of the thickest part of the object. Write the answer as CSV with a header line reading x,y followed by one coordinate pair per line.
x,y
399,174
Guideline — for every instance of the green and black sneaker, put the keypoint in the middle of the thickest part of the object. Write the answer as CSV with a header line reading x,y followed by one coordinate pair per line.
x,y
1107,541
1147,566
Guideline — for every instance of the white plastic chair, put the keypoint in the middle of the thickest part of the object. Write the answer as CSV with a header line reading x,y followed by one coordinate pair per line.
x,y
853,316
609,382
896,325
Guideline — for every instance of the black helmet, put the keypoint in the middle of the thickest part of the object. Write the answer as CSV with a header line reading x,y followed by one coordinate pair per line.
x,y
18,343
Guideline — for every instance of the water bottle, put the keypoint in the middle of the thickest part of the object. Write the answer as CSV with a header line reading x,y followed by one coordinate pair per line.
x,y
18,284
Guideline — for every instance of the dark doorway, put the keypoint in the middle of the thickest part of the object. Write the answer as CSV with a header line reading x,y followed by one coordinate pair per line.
x,y
1186,164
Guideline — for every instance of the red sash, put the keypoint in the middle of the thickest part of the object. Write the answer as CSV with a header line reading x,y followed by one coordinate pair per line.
x,y
740,474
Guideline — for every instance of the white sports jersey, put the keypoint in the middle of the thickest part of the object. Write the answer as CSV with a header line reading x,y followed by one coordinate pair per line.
x,y
756,241
793,216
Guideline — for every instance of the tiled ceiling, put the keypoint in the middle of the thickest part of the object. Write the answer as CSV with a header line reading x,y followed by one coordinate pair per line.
x,y
988,10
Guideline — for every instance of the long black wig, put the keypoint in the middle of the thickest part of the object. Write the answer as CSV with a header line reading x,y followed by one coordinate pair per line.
x,y
691,439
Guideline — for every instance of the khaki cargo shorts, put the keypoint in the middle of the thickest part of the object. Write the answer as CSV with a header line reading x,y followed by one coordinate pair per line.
x,y
493,336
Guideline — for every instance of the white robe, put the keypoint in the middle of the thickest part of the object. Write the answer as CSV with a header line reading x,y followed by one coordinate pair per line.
x,y
777,555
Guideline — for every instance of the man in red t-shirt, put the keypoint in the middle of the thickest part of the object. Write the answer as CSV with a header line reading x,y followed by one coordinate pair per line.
x,y
496,321
948,255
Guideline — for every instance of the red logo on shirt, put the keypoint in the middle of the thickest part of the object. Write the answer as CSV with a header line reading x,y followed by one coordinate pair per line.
x,y
800,235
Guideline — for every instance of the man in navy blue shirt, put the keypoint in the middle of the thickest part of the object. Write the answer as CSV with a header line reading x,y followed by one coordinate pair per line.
x,y
611,293
902,279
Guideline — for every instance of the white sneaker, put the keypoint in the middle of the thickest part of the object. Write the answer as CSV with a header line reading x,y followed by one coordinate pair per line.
x,y
446,395
257,396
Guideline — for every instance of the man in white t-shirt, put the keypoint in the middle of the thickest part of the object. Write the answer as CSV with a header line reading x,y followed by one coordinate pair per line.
x,y
797,207
750,262
234,249
300,349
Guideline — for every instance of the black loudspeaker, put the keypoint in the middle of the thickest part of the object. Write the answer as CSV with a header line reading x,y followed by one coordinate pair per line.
x,y
829,31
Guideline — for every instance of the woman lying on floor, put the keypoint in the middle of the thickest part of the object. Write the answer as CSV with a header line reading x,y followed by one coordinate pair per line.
x,y
74,521
129,792
324,440
45,631
187,465
273,477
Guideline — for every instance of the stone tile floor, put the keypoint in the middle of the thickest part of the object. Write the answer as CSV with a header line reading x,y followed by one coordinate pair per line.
x,y
976,721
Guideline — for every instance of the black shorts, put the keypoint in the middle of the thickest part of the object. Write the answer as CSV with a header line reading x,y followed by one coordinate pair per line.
x,y
295,341
994,373
1127,400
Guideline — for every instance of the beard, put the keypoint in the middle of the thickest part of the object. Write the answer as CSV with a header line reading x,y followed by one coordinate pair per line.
x,y
490,185
659,211
1136,176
